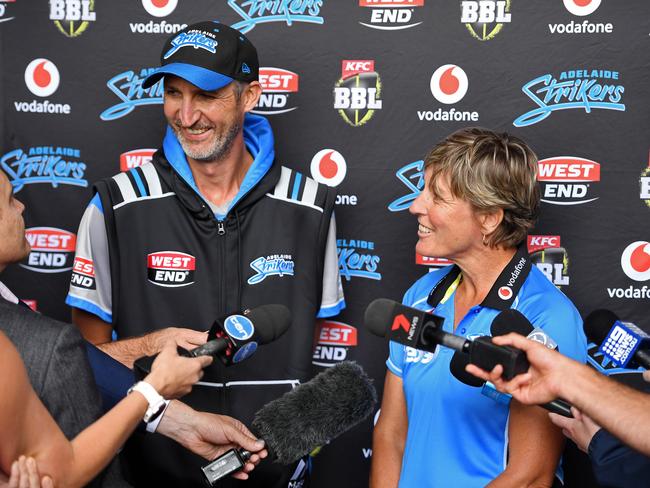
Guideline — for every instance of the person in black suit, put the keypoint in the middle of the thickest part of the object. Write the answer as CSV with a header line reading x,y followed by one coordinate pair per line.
x,y
54,355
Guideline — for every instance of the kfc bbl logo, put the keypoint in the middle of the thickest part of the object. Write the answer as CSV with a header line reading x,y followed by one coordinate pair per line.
x,y
357,94
358,259
390,14
44,164
72,17
575,89
52,250
484,19
568,180
171,268
550,258
333,342
278,85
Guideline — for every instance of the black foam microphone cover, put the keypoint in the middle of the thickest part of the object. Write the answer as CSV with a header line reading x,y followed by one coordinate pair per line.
x,y
457,367
598,324
511,320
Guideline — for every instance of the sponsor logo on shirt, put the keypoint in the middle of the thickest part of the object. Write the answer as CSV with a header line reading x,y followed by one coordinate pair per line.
x,y
135,157
171,268
83,273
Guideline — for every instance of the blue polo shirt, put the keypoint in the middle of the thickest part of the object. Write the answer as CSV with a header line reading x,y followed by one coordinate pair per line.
x,y
457,436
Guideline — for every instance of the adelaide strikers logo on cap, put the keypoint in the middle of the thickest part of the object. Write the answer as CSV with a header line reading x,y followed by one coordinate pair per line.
x,y
239,327
194,38
42,77
635,261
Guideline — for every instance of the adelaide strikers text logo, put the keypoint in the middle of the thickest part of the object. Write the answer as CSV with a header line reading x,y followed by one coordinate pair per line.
x,y
357,94
52,250
412,176
171,268
567,180
635,261
128,88
547,253
72,17
484,19
357,259
277,86
391,14
273,265
448,84
582,89
263,11
44,164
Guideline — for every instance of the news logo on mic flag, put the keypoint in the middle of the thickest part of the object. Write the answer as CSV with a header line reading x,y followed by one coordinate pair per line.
x,y
622,342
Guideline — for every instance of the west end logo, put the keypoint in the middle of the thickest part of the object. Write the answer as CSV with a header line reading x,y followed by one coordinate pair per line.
x,y
582,89
484,19
273,265
44,164
263,11
128,88
72,17
390,15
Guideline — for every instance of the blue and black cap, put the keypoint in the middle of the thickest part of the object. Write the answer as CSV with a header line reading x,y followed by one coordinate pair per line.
x,y
209,55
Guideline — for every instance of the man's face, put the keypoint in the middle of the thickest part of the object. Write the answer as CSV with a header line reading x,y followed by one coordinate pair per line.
x,y
206,123
13,244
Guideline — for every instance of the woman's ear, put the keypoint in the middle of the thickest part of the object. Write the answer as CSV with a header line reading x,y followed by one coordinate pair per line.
x,y
490,221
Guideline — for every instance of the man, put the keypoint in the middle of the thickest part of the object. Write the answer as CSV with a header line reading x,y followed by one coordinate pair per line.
x,y
58,368
213,225
619,409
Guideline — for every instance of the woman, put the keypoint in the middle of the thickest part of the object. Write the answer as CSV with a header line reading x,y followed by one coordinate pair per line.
x,y
28,429
480,200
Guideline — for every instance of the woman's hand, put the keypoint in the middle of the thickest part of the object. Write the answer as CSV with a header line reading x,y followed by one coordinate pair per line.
x,y
24,474
172,375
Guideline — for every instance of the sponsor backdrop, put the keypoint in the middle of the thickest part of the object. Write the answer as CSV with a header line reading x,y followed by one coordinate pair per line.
x,y
357,91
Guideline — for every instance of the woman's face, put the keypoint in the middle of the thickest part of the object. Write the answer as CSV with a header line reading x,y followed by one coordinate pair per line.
x,y
447,226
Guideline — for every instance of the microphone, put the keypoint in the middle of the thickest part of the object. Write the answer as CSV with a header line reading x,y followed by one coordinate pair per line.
x,y
233,337
423,330
624,343
305,418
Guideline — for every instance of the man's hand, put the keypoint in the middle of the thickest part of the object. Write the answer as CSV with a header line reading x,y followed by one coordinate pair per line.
x,y
186,338
580,429
210,435
544,379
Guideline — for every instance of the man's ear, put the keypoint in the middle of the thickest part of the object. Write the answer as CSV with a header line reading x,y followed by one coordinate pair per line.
x,y
251,95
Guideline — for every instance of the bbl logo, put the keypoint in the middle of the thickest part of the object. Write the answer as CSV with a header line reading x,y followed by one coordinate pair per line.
x,y
391,14
52,250
574,89
333,342
83,273
134,158
644,184
412,176
485,19
357,94
567,180
72,17
171,268
550,258
44,164
277,86
358,259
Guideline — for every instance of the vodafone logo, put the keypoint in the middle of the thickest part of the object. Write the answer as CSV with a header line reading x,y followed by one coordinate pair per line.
x,y
449,84
42,77
328,167
134,158
159,8
505,293
635,261
582,7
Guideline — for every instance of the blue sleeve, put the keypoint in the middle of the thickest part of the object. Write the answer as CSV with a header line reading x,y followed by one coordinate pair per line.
x,y
395,361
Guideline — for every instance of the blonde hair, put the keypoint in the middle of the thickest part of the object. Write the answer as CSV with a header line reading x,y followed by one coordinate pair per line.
x,y
491,171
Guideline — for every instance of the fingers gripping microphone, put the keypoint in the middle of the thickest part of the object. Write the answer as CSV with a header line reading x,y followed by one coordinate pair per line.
x,y
625,344
422,330
305,418
234,337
